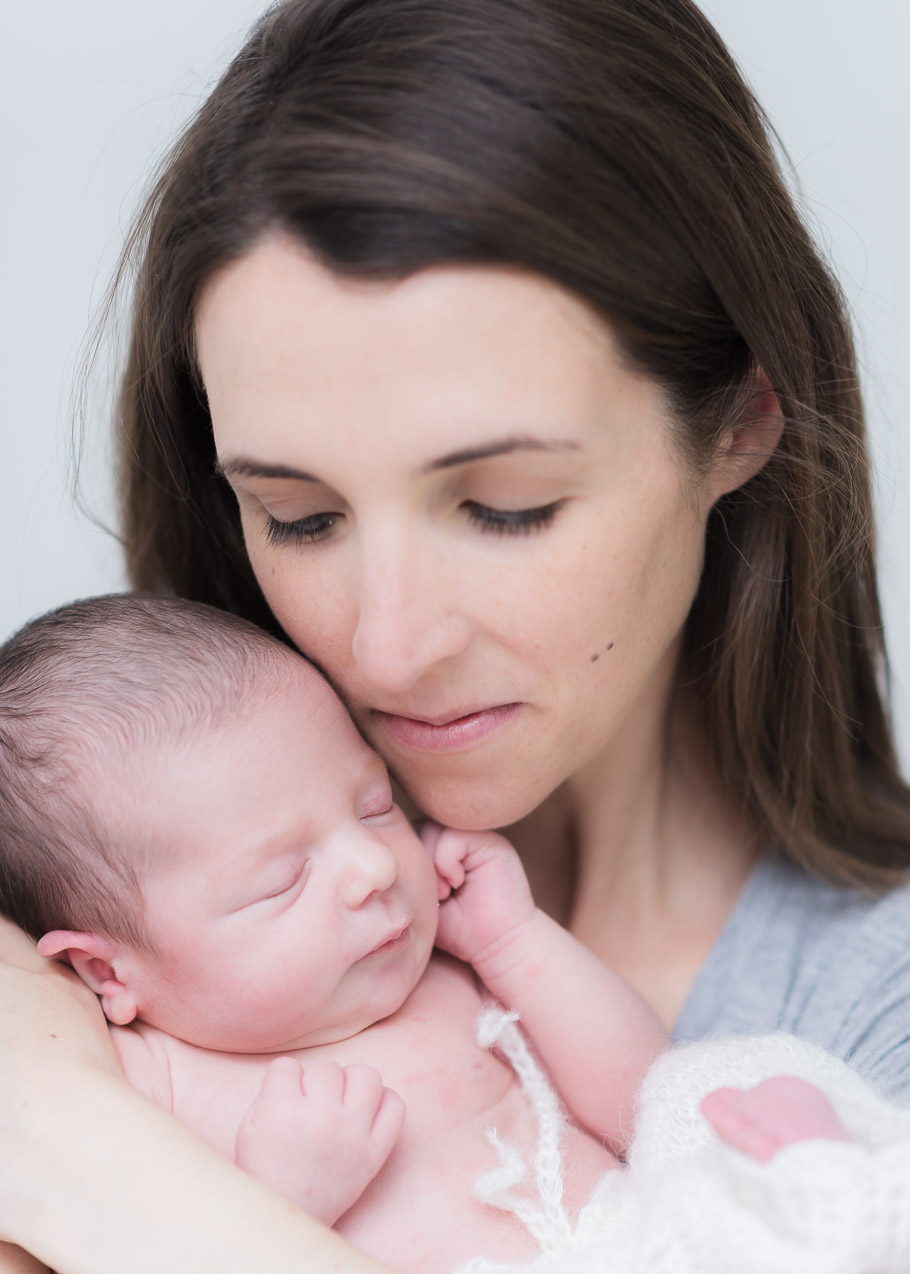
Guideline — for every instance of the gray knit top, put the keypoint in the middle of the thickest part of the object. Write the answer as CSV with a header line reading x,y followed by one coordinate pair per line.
x,y
825,963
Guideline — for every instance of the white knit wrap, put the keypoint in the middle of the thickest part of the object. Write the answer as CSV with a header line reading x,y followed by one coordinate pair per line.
x,y
686,1203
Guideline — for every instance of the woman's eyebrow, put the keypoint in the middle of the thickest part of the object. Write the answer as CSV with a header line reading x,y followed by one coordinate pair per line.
x,y
503,447
246,467
241,466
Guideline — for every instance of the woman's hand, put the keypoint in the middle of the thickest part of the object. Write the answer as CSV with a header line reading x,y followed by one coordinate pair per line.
x,y
50,1023
42,1001
18,951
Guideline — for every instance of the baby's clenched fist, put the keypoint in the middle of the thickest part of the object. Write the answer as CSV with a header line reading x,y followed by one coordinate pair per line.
x,y
319,1136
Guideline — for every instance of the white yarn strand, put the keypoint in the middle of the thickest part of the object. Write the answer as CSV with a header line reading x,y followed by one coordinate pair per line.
x,y
545,1218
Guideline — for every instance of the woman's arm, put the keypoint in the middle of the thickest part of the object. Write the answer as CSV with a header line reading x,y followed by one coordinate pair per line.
x,y
95,1179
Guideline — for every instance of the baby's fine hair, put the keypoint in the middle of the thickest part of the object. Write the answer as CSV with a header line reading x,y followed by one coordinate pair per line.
x,y
81,689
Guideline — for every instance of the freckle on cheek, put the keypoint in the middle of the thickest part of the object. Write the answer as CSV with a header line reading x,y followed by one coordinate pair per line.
x,y
594,658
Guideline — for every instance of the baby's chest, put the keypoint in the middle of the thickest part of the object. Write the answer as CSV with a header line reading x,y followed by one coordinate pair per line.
x,y
420,1212
427,1052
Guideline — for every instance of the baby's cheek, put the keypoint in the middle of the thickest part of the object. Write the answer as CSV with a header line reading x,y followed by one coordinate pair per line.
x,y
423,928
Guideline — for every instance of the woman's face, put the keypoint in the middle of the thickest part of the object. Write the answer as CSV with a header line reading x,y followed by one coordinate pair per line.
x,y
464,508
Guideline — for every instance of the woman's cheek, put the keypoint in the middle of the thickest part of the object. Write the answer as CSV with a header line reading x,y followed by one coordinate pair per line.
x,y
305,602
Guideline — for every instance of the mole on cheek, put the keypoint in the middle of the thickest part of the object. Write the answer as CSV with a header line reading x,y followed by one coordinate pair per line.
x,y
596,655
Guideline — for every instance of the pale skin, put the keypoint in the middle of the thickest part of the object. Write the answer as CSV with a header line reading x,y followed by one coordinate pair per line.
x,y
293,912
365,388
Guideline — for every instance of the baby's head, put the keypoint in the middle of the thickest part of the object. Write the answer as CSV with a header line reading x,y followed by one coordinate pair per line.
x,y
189,816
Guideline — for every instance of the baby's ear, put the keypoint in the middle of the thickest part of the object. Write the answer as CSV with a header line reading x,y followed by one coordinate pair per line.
x,y
95,959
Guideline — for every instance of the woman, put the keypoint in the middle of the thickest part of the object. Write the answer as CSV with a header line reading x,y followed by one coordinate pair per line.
x,y
479,350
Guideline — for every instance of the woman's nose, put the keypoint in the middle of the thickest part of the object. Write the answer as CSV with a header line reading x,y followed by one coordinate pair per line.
x,y
409,618
369,868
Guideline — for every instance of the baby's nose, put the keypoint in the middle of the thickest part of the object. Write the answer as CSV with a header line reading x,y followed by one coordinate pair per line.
x,y
370,868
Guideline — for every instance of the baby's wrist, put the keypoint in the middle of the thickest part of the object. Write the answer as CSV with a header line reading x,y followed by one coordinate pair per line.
x,y
504,958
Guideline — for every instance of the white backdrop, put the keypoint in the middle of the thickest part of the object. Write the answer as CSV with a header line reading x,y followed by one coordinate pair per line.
x,y
90,93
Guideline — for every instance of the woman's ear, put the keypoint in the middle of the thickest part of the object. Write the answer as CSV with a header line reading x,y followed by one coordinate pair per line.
x,y
95,959
750,440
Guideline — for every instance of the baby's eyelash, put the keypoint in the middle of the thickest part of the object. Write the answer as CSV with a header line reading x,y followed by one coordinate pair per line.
x,y
302,531
512,522
292,884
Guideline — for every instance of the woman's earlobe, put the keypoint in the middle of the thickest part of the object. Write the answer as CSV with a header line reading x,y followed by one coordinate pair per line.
x,y
751,439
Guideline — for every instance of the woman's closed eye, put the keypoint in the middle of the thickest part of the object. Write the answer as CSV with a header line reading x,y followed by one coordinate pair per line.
x,y
301,531
512,521
319,526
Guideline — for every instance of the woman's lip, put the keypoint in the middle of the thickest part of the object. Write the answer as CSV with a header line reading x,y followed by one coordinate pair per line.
x,y
450,733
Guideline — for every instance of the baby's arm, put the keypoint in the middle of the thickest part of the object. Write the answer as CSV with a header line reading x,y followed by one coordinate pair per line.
x,y
596,1035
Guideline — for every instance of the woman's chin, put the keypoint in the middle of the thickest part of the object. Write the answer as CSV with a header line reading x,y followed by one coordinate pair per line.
x,y
474,806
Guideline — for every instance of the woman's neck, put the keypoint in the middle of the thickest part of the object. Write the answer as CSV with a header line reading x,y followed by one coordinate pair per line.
x,y
643,854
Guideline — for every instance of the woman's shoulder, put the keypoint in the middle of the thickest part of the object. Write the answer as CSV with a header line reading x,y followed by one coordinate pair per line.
x,y
826,963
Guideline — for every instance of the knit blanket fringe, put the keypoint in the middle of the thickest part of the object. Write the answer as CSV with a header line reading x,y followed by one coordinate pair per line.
x,y
687,1204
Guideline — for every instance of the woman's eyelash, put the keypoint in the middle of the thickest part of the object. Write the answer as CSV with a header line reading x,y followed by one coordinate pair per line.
x,y
512,522
496,521
303,531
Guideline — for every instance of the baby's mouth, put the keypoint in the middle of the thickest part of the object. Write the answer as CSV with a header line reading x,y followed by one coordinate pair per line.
x,y
397,941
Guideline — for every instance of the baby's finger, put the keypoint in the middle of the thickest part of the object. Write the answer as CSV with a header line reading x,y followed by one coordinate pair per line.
x,y
443,888
282,1079
448,857
324,1081
389,1119
362,1090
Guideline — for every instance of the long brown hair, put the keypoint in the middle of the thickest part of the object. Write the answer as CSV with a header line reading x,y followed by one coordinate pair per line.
x,y
611,146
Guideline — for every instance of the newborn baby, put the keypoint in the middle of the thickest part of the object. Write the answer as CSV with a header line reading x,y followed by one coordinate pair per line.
x,y
194,823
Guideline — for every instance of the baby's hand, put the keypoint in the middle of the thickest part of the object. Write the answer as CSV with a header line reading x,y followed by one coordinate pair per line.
x,y
484,895
319,1136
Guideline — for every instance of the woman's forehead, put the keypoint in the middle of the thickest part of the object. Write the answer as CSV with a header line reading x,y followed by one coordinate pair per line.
x,y
455,355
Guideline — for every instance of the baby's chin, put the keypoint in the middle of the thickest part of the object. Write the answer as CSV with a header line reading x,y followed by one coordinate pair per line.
x,y
290,1037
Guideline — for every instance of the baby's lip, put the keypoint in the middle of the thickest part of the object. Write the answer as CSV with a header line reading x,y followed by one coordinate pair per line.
x,y
393,936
